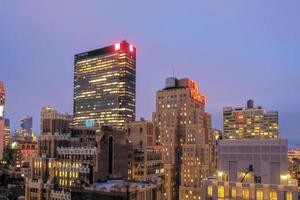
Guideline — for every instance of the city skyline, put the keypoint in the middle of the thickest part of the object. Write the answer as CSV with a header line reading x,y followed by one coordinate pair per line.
x,y
42,66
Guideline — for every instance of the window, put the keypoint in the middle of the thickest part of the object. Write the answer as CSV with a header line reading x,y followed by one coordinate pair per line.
x,y
221,192
259,195
288,195
245,194
233,192
273,195
209,191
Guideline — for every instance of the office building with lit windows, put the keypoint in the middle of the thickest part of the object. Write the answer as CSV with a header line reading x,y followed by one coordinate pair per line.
x,y
104,86
2,119
183,128
251,122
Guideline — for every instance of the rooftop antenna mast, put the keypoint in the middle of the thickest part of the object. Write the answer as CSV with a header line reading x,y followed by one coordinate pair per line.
x,y
173,72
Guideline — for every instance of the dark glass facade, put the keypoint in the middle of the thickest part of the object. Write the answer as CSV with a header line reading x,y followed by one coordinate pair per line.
x,y
104,86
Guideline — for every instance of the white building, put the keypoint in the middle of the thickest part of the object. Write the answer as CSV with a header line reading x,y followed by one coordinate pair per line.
x,y
251,169
266,157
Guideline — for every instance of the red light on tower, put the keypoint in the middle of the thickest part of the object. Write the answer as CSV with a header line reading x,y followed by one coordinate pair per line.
x,y
117,46
131,47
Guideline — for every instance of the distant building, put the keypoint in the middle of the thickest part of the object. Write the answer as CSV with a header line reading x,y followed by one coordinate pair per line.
x,y
54,122
184,130
27,151
104,86
294,164
7,140
251,122
2,120
146,155
26,123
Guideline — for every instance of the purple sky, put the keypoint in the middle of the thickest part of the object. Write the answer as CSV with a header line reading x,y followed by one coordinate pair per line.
x,y
235,50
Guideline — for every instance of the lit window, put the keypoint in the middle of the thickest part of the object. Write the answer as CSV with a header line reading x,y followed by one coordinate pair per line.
x,y
288,195
233,192
245,194
131,47
221,192
273,195
117,46
259,195
209,191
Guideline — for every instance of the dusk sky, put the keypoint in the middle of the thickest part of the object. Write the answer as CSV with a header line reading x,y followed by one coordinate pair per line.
x,y
235,50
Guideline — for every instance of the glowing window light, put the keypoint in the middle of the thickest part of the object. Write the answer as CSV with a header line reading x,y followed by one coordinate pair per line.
x,y
131,47
117,46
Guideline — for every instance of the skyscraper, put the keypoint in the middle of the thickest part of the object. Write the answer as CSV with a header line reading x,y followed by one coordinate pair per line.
x,y
6,133
104,86
26,126
184,130
251,122
2,120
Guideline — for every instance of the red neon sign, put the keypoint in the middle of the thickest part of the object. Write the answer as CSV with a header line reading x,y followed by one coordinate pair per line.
x,y
194,91
27,152
239,118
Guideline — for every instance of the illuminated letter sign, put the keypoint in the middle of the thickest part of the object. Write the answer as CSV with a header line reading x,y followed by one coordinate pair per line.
x,y
195,94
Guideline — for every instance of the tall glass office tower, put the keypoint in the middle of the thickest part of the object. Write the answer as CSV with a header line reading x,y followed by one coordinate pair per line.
x,y
104,86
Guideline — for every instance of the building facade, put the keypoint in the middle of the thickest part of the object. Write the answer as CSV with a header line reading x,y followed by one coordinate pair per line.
x,y
251,122
221,190
146,155
184,130
265,159
54,122
104,86
121,190
112,155
251,169
26,123
7,140
294,164
2,120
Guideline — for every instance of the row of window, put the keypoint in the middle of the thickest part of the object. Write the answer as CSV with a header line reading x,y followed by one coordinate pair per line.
x,y
246,194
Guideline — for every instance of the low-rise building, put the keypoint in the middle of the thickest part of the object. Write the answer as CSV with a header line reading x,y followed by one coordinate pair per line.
x,y
121,190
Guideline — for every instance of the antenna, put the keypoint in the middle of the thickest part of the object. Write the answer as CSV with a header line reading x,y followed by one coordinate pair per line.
x,y
173,72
